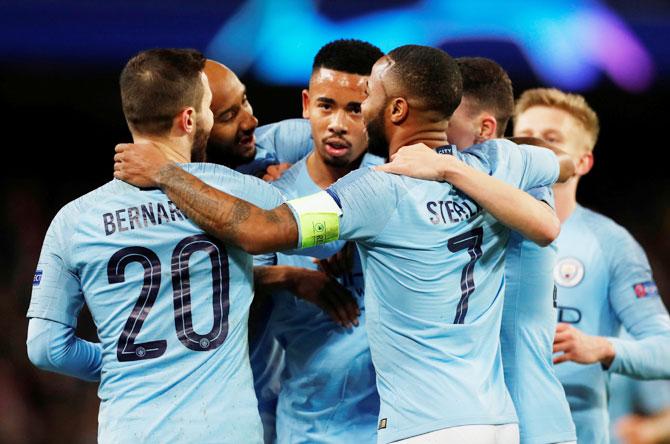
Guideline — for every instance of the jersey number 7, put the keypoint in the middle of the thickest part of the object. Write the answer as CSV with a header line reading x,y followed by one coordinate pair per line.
x,y
472,241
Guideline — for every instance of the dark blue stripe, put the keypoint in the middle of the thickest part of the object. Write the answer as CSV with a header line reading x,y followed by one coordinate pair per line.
x,y
335,197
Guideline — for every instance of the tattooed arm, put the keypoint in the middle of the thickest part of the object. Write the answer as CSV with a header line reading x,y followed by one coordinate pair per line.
x,y
234,221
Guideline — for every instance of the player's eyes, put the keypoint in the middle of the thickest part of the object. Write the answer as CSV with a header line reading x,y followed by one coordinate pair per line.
x,y
355,109
227,116
325,106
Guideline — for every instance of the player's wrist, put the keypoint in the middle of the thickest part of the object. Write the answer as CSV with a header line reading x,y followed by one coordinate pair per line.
x,y
607,352
164,174
449,169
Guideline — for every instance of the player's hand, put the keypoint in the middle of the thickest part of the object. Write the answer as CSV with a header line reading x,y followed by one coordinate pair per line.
x,y
340,263
580,347
419,161
324,291
139,163
636,429
274,172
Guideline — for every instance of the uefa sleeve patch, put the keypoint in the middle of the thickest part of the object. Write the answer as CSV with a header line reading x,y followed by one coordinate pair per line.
x,y
645,289
37,279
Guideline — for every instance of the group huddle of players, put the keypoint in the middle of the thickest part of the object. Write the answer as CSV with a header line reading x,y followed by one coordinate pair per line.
x,y
401,278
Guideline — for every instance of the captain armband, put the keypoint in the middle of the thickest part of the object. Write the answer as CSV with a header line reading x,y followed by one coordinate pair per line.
x,y
319,219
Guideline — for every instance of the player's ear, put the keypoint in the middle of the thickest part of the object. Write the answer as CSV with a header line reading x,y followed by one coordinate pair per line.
x,y
584,164
186,119
305,104
487,127
398,109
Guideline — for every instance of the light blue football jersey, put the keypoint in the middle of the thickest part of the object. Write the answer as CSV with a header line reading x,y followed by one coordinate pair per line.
x,y
287,141
266,356
328,392
604,281
527,335
433,262
287,138
170,305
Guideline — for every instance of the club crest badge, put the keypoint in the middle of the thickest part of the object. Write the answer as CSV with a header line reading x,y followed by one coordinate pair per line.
x,y
568,272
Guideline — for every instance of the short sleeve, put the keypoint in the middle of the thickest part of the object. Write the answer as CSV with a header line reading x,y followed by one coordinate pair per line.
x,y
288,141
56,292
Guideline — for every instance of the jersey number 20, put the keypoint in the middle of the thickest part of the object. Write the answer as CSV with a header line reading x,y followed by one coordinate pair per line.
x,y
127,349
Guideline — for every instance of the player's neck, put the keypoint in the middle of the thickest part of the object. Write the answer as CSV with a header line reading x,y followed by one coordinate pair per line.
x,y
432,136
323,174
175,149
565,195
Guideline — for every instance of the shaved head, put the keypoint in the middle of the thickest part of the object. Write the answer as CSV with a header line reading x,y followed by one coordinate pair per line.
x,y
232,140
219,76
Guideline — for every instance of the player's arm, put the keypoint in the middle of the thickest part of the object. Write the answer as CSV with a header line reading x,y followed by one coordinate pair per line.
x,y
311,285
566,164
635,299
307,222
636,429
54,347
516,209
54,307
234,221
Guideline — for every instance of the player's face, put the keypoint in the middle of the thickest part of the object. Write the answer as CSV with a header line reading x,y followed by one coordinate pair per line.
x,y
203,124
374,108
333,106
464,125
232,134
555,126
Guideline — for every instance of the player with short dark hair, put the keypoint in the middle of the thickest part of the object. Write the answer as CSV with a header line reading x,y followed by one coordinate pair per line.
x,y
170,303
346,55
156,85
487,104
328,392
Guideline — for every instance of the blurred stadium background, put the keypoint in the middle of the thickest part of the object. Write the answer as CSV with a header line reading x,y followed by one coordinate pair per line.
x,y
59,67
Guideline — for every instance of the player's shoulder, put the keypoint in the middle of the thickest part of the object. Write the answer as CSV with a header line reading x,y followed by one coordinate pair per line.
x,y
369,187
288,130
369,177
613,238
491,147
289,178
602,226
221,176
287,125
76,207
240,185
69,217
